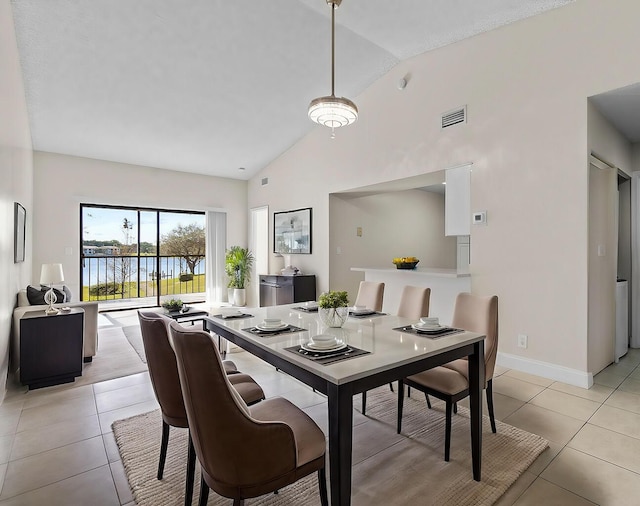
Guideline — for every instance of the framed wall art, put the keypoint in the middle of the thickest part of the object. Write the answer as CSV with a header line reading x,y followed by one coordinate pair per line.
x,y
292,231
19,226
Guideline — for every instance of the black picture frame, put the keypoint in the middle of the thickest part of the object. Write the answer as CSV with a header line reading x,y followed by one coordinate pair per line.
x,y
292,232
19,228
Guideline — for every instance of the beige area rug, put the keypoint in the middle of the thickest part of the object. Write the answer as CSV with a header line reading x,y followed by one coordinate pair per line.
x,y
506,455
115,358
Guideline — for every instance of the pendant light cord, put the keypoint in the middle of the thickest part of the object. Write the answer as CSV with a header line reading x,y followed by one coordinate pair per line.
x,y
333,45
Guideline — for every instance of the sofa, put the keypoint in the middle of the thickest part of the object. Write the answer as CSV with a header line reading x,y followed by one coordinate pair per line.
x,y
90,341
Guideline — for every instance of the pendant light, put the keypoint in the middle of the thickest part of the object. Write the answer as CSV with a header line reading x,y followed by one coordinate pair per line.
x,y
332,111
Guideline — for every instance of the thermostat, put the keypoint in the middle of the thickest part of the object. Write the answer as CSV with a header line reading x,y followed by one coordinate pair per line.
x,y
479,218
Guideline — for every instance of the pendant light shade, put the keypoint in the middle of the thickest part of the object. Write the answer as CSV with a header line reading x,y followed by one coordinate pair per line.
x,y
332,111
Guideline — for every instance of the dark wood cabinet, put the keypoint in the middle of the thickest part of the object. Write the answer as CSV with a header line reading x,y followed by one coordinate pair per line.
x,y
51,347
276,290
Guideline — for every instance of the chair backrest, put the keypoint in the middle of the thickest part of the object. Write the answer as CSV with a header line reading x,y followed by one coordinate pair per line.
x,y
163,370
479,314
370,294
235,450
414,302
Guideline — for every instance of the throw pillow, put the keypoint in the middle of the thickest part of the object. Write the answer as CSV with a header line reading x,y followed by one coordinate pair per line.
x,y
36,296
67,293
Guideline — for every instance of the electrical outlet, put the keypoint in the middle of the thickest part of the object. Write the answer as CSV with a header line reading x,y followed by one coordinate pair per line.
x,y
522,340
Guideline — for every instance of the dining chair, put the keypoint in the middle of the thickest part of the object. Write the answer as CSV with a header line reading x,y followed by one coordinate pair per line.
x,y
450,382
243,452
163,371
414,303
370,294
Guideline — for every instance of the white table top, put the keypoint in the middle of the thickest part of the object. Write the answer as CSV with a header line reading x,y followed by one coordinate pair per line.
x,y
389,348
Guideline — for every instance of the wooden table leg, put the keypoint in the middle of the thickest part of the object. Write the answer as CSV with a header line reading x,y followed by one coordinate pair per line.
x,y
340,400
476,384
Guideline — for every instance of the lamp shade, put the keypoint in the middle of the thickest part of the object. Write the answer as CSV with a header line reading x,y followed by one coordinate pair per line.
x,y
51,273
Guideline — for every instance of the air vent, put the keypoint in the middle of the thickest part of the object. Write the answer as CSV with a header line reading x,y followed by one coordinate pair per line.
x,y
454,117
265,181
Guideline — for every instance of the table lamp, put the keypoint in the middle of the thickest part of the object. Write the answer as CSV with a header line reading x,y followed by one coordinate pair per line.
x,y
50,274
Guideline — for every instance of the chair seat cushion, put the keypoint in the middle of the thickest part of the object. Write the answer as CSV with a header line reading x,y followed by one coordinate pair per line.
x,y
230,367
461,365
310,440
442,379
246,386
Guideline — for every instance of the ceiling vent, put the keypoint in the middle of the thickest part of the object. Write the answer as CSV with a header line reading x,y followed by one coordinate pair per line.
x,y
265,181
454,117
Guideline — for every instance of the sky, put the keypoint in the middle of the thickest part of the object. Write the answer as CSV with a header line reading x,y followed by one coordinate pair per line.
x,y
103,224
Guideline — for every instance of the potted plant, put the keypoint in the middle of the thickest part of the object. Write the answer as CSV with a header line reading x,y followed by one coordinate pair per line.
x,y
333,308
238,264
172,305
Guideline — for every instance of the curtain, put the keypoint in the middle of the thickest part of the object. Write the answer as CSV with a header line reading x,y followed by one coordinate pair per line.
x,y
216,246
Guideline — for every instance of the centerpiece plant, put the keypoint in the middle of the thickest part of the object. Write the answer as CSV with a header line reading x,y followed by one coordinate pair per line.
x,y
333,308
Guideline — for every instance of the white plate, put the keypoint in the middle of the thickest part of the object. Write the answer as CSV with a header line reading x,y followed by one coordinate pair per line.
x,y
422,326
361,310
309,347
272,328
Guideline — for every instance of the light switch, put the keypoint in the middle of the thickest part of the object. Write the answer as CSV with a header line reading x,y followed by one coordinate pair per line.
x,y
68,250
359,231
338,250
601,250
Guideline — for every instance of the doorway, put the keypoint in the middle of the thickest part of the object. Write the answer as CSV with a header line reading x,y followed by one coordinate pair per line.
x,y
259,246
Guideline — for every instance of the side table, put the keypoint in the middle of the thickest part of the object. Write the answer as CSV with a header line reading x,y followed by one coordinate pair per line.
x,y
51,347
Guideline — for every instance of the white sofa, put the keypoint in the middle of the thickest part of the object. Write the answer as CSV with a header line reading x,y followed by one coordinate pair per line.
x,y
90,342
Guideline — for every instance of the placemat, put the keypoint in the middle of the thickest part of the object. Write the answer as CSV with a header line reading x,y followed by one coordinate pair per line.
x,y
232,316
366,315
346,354
448,331
307,309
287,330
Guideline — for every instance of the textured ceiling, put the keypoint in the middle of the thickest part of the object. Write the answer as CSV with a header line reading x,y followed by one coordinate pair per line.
x,y
208,86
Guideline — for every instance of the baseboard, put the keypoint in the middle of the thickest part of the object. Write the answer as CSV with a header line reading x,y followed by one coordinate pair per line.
x,y
546,370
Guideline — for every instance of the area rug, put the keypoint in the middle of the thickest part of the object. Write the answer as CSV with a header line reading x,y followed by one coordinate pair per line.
x,y
506,455
114,358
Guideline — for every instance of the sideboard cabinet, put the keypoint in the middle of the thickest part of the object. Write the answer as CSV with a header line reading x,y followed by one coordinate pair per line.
x,y
276,290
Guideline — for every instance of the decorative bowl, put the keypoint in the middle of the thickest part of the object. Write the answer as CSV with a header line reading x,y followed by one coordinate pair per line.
x,y
407,265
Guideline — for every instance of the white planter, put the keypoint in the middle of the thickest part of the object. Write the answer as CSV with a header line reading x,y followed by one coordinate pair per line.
x,y
239,297
333,317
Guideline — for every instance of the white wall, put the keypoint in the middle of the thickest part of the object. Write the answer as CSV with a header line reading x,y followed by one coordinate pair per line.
x,y
16,173
62,182
526,87
394,224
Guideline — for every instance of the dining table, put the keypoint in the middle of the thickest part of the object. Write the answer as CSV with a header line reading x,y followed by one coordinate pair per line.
x,y
382,352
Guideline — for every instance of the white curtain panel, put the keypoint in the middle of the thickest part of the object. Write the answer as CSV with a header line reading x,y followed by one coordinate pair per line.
x,y
216,246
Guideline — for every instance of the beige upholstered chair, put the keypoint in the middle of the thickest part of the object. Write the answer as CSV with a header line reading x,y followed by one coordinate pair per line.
x,y
414,303
163,371
450,382
370,294
262,449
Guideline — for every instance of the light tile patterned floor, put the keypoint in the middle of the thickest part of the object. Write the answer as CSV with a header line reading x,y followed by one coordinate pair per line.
x,y
56,445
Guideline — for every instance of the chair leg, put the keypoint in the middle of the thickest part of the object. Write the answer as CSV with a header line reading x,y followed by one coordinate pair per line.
x,y
191,472
408,391
447,432
426,396
322,485
489,393
391,386
455,408
364,402
204,493
238,502
163,448
400,405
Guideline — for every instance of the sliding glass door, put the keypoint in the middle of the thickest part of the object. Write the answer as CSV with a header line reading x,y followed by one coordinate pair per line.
x,y
135,258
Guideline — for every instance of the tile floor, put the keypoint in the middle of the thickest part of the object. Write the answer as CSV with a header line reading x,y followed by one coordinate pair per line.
x,y
57,448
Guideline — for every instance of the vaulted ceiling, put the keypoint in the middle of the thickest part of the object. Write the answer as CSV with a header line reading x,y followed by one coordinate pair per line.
x,y
212,86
